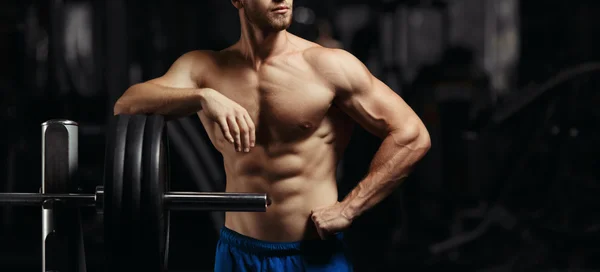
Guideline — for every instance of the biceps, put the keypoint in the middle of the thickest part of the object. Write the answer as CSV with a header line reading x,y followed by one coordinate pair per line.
x,y
378,109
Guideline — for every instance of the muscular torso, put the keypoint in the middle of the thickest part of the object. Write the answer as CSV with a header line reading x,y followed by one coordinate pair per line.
x,y
300,136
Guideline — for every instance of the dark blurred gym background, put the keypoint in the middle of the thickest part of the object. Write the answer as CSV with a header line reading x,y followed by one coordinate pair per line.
x,y
508,90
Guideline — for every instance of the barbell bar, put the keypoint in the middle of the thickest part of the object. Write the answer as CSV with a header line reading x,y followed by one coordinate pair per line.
x,y
34,199
190,201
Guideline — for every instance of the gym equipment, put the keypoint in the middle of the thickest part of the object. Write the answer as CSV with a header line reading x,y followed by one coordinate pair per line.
x,y
135,199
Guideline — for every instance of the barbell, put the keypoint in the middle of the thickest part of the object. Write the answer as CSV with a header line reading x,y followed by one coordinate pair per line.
x,y
194,201
135,199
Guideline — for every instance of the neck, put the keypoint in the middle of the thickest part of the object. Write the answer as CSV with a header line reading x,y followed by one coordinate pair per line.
x,y
258,44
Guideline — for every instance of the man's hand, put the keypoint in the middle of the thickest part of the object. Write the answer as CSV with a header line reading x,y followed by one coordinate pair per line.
x,y
330,220
234,120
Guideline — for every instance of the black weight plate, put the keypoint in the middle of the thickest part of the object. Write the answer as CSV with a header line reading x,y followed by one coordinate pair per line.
x,y
131,219
114,163
155,183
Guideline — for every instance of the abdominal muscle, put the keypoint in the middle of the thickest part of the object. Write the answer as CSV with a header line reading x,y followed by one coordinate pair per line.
x,y
297,178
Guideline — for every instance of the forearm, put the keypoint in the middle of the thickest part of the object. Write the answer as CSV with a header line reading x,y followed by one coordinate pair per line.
x,y
150,98
391,164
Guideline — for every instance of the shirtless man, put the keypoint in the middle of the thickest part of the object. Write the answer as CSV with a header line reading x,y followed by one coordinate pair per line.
x,y
280,110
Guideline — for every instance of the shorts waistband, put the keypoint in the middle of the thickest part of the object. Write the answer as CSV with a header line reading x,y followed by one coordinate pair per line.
x,y
253,245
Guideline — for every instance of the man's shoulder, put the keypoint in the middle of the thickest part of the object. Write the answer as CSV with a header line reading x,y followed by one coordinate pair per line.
x,y
326,58
338,67
199,55
198,62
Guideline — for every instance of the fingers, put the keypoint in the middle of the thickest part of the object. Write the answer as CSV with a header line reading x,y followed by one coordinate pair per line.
x,y
239,129
235,132
244,130
320,226
252,129
322,234
225,129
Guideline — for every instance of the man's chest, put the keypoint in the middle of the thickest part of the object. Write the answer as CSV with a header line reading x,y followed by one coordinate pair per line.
x,y
279,98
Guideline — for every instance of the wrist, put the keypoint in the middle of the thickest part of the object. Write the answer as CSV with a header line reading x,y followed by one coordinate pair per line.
x,y
201,95
351,208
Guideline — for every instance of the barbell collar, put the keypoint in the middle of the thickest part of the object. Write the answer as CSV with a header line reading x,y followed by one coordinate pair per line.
x,y
99,199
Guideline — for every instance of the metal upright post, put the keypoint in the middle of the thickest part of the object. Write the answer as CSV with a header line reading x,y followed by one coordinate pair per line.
x,y
62,236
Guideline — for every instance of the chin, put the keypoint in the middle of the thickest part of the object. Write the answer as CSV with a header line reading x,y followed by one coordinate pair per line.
x,y
280,26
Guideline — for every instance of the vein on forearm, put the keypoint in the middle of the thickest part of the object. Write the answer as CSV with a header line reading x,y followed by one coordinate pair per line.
x,y
390,166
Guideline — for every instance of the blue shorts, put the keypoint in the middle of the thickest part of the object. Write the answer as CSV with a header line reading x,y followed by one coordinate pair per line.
x,y
237,252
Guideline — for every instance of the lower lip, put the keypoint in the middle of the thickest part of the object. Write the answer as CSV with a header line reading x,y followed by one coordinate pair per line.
x,y
281,11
